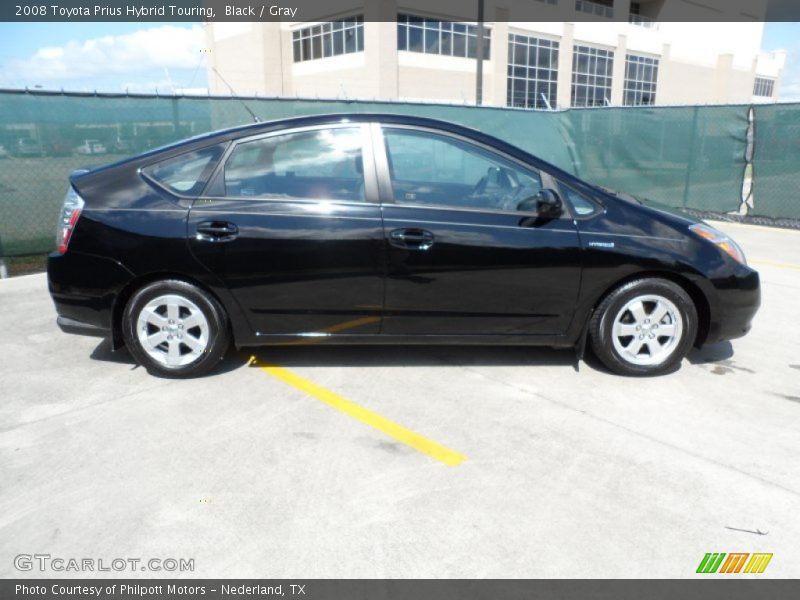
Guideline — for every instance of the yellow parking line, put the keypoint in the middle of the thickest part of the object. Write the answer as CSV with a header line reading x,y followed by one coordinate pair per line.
x,y
772,263
401,434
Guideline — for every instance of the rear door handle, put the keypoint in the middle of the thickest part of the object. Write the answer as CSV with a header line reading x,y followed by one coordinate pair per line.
x,y
217,231
412,239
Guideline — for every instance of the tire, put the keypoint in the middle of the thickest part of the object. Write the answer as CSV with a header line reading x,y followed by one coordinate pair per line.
x,y
174,329
644,327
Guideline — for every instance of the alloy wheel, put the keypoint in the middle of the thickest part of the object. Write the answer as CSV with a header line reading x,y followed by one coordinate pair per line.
x,y
647,330
173,330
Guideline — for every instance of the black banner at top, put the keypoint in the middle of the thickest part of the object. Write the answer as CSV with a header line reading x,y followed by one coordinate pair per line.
x,y
386,10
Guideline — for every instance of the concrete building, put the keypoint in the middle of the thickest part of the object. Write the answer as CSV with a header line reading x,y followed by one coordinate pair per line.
x,y
612,52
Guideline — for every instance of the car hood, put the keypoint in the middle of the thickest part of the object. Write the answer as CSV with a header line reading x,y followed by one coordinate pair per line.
x,y
672,212
669,211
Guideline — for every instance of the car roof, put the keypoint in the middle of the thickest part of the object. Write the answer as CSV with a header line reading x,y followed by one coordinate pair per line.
x,y
251,129
321,119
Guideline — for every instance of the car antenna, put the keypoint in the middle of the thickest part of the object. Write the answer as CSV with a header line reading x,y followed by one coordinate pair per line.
x,y
235,95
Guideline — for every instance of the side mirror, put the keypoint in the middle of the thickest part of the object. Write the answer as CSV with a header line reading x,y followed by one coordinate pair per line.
x,y
545,203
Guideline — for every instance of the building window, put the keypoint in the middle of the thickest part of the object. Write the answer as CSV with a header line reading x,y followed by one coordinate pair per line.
x,y
344,36
416,34
641,79
764,87
553,2
591,76
600,8
532,72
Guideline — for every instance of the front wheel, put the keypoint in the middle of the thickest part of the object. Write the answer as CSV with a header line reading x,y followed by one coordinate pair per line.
x,y
644,327
175,329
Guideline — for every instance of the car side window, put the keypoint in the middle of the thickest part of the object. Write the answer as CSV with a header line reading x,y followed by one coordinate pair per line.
x,y
438,170
581,206
187,173
324,164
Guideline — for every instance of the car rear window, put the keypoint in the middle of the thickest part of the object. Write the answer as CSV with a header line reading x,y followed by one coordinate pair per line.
x,y
186,174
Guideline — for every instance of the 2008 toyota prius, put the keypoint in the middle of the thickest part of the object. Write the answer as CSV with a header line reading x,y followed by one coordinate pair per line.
x,y
382,229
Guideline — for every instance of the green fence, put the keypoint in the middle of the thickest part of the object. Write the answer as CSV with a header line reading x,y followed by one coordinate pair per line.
x,y
688,157
776,161
691,157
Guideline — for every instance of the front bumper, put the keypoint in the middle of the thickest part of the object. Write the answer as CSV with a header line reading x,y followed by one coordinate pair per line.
x,y
738,300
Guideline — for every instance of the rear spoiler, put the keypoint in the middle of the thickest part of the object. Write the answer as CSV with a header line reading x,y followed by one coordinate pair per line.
x,y
76,173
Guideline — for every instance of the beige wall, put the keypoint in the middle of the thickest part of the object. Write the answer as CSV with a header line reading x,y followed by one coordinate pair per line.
x,y
339,76
248,56
441,78
685,83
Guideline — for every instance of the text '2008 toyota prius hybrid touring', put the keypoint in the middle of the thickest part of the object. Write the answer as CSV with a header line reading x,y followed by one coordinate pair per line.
x,y
375,229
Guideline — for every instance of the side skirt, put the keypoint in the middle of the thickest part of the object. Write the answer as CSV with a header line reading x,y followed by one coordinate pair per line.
x,y
312,339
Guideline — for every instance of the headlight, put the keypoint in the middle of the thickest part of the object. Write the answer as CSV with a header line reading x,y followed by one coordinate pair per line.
x,y
719,239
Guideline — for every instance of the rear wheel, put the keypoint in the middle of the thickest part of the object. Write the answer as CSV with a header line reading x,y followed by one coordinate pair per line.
x,y
645,327
174,329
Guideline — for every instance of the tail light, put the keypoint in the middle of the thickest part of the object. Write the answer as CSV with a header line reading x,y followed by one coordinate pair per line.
x,y
70,212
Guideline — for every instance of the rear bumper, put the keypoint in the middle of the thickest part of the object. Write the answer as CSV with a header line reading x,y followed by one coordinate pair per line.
x,y
68,325
738,300
84,288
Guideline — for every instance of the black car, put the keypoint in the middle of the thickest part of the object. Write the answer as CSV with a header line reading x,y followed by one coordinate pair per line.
x,y
382,229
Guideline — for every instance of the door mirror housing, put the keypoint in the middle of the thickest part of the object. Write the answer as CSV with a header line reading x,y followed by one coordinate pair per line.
x,y
546,204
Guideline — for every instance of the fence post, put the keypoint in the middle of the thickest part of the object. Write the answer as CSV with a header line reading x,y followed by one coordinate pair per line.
x,y
3,269
748,175
692,152
176,119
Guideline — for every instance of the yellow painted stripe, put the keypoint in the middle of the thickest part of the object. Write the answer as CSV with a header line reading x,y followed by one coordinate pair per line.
x,y
772,263
366,416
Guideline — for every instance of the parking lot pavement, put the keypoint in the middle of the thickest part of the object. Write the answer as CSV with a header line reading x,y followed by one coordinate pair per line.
x,y
565,473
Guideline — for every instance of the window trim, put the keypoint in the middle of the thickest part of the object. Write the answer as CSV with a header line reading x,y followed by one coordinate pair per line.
x,y
216,182
385,176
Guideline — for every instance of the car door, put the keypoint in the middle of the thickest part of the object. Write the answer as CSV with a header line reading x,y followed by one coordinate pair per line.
x,y
466,254
291,224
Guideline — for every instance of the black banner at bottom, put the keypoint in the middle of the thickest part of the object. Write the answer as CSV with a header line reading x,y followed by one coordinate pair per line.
x,y
395,589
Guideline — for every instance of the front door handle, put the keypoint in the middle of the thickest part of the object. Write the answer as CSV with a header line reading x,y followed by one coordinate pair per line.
x,y
412,239
217,231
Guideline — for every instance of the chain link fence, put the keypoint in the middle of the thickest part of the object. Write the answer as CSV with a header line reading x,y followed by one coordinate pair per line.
x,y
687,157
